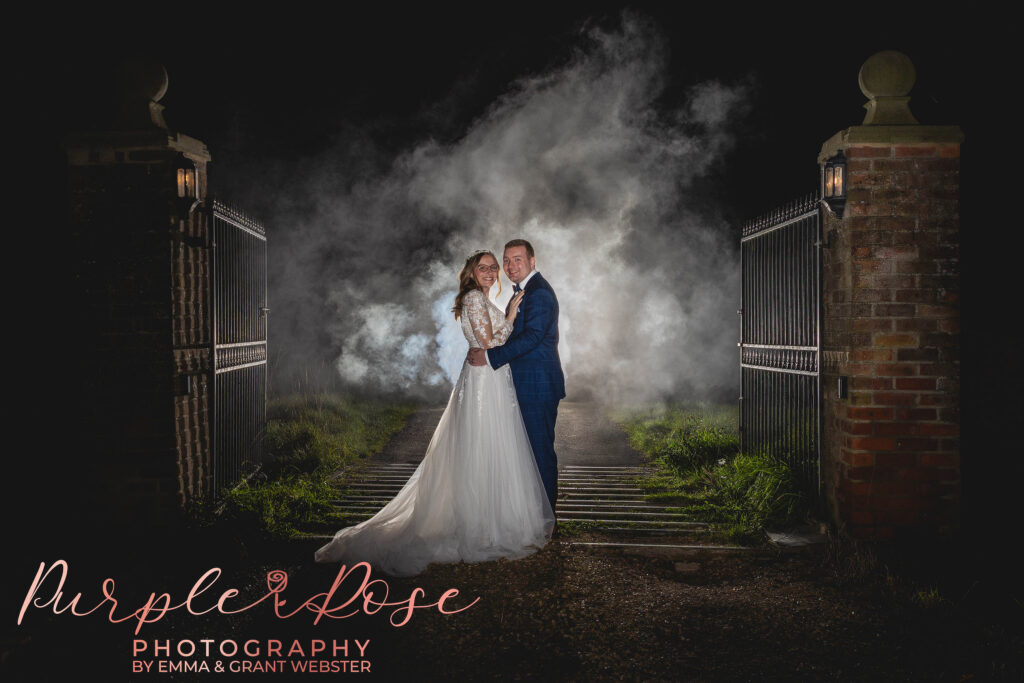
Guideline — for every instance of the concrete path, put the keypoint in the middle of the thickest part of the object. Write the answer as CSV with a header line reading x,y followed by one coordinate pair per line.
x,y
411,442
583,436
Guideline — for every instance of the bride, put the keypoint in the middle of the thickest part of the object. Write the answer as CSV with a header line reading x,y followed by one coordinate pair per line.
x,y
477,495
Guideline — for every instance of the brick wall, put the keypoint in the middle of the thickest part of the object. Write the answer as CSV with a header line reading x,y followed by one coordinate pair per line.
x,y
121,327
139,309
191,332
891,455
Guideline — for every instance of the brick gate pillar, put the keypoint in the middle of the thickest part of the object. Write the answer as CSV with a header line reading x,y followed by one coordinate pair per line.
x,y
140,316
890,432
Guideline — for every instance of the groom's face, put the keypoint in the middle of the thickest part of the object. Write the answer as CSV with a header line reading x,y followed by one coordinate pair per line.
x,y
518,264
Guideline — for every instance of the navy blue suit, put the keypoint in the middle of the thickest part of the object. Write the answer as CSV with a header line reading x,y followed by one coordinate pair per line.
x,y
532,355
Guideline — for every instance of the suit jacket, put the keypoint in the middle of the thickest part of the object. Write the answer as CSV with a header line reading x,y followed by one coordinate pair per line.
x,y
532,348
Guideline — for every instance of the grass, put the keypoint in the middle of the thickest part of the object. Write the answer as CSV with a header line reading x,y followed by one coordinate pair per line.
x,y
322,433
310,439
701,469
572,527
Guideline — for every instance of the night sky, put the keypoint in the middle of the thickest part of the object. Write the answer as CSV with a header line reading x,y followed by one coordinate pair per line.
x,y
271,89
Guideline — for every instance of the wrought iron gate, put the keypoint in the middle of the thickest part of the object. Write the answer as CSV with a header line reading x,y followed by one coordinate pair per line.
x,y
780,338
239,305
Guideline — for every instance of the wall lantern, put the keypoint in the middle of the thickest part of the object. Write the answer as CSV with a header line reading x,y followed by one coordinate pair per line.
x,y
833,183
188,186
187,183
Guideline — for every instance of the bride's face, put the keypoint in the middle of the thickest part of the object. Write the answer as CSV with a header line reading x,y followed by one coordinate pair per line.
x,y
486,272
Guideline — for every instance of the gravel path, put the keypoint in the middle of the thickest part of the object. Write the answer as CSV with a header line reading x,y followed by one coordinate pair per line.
x,y
571,612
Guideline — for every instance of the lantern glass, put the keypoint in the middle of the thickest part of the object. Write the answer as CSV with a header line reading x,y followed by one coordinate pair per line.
x,y
186,182
828,181
837,183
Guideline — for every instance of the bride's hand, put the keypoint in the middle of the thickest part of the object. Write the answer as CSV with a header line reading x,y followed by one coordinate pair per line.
x,y
516,300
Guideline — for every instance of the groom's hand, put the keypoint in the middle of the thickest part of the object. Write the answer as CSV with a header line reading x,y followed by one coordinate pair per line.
x,y
476,357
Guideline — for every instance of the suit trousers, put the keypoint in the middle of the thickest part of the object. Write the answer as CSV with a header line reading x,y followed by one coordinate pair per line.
x,y
539,418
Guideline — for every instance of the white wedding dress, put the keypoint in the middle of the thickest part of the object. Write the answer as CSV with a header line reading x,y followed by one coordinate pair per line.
x,y
477,495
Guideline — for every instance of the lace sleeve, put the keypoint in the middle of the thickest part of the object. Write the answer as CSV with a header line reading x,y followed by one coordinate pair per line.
x,y
500,325
474,306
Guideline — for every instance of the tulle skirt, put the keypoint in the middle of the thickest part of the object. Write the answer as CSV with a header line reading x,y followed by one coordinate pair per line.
x,y
476,496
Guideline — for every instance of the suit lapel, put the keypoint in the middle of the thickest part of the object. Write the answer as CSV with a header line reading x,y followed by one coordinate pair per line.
x,y
518,324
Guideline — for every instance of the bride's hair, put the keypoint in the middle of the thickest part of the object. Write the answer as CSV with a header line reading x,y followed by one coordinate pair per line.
x,y
466,282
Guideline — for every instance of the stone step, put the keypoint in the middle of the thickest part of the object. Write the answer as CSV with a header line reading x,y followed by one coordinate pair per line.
x,y
624,516
605,500
626,479
625,474
605,489
628,534
577,512
387,471
657,547
370,485
640,523
650,531
608,468
580,495
604,504
600,483
562,484
354,515
562,504
342,505
623,485
407,467
609,545
363,488
592,473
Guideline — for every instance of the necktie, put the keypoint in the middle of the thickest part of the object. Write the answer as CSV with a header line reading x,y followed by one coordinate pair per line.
x,y
516,288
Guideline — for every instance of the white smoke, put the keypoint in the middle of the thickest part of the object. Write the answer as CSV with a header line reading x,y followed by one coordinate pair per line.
x,y
582,162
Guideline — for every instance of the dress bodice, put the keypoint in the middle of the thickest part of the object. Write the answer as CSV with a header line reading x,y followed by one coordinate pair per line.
x,y
483,323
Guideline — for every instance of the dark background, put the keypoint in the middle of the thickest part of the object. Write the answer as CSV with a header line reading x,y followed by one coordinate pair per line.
x,y
266,92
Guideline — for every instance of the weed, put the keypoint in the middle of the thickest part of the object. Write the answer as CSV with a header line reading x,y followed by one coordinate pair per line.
x,y
309,439
575,526
852,561
929,597
695,448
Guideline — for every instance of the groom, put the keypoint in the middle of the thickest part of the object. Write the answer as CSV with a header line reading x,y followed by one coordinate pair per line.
x,y
532,354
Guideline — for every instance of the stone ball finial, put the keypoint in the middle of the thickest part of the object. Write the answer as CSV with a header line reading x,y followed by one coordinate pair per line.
x,y
141,83
886,78
887,74
143,78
